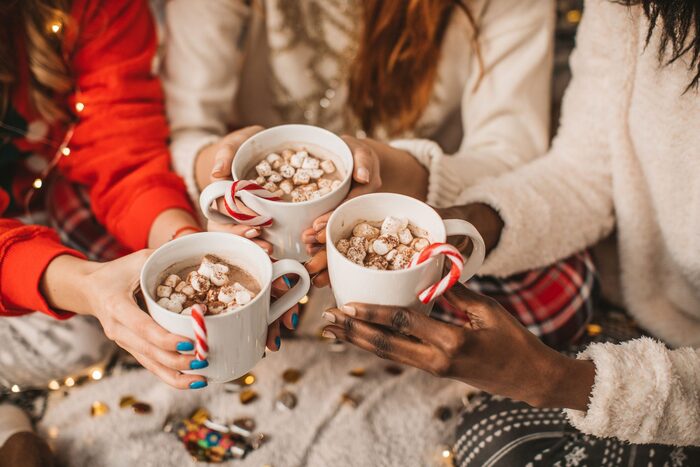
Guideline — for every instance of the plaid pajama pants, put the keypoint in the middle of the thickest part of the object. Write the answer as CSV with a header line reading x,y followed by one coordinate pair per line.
x,y
555,303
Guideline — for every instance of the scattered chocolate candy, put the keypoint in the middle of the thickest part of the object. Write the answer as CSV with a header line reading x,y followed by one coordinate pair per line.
x,y
98,409
394,370
443,413
243,426
349,399
127,401
248,396
141,408
358,372
245,380
257,440
291,375
594,329
286,400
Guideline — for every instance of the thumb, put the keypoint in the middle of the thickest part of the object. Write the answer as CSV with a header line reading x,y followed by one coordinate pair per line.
x,y
479,309
222,162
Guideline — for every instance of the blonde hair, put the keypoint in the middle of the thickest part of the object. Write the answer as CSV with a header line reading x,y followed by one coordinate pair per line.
x,y
42,26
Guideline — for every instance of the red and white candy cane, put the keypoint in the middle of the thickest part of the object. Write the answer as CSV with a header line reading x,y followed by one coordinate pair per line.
x,y
450,279
254,189
201,348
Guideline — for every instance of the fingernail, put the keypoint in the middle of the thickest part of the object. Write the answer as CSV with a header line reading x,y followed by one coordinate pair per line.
x,y
198,384
320,226
184,346
295,320
288,282
348,310
252,233
198,364
328,335
218,165
363,174
278,342
328,316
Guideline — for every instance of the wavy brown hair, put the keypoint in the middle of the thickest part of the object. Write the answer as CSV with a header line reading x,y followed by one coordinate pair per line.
x,y
391,80
41,26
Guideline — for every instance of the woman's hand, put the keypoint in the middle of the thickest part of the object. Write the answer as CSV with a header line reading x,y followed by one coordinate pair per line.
x,y
106,291
493,352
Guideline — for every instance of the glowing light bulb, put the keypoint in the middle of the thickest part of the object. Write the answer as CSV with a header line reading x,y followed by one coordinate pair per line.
x,y
15,388
70,382
304,300
573,16
37,183
55,27
54,385
96,374
79,106
446,453
65,152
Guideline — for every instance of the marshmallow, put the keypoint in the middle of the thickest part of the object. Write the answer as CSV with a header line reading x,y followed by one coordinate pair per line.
x,y
211,295
243,297
336,184
310,188
324,183
419,244
170,305
188,290
278,193
391,255
198,282
384,244
402,259
263,168
417,231
163,291
310,163
219,278
356,255
298,196
287,171
286,186
359,242
260,181
206,269
273,157
178,298
187,311
366,230
221,267
227,294
287,154
297,160
275,177
215,308
171,280
392,225
232,306
324,191
315,173
180,286
328,166
271,187
375,261
405,236
302,177
342,245
315,195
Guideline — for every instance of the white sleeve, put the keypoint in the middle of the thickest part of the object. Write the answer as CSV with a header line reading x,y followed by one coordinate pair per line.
x,y
643,393
562,202
506,119
203,57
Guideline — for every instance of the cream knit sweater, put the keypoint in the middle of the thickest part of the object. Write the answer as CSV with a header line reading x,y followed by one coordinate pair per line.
x,y
627,155
229,65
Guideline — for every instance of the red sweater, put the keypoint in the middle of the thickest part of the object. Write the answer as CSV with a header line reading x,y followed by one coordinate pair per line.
x,y
119,148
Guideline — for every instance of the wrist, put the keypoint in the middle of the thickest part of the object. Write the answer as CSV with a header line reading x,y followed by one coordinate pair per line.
x,y
168,223
203,163
567,384
483,217
64,283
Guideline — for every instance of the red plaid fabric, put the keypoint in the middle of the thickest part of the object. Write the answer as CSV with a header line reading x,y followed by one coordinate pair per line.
x,y
70,215
555,303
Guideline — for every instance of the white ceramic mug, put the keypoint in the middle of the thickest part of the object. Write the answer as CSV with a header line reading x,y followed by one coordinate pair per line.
x,y
289,219
354,283
236,339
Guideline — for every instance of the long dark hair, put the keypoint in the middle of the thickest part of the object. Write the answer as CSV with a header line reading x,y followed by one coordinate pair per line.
x,y
680,23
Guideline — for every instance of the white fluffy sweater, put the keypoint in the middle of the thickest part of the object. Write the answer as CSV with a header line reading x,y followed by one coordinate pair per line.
x,y
229,65
627,155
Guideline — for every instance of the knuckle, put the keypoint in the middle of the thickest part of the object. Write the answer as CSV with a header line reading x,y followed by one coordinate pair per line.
x,y
400,319
380,345
454,343
440,366
349,326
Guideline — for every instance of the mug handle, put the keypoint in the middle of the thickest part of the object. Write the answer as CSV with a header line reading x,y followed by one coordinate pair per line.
x,y
293,295
211,193
476,259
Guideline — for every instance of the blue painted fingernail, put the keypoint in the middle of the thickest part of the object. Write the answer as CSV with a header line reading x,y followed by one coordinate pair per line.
x,y
184,346
198,384
287,281
278,342
198,364
295,320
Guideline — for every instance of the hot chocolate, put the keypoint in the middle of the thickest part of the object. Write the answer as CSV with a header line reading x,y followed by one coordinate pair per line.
x,y
218,285
387,245
296,176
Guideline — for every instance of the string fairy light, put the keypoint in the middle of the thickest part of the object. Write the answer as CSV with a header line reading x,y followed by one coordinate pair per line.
x,y
54,385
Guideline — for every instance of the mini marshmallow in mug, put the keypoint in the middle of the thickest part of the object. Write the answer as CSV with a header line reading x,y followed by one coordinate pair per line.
x,y
351,281
287,221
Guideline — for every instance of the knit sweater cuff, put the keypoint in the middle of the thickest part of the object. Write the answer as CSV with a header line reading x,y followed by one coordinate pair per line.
x,y
443,186
185,148
638,394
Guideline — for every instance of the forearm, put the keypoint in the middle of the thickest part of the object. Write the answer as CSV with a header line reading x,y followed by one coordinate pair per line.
x,y
569,384
167,224
203,164
63,283
401,173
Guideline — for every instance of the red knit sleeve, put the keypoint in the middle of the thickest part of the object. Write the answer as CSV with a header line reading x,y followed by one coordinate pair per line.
x,y
119,149
25,252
